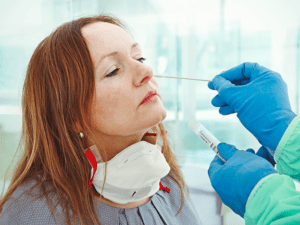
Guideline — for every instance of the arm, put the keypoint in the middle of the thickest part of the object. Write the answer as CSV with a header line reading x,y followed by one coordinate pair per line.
x,y
287,154
23,208
274,200
26,212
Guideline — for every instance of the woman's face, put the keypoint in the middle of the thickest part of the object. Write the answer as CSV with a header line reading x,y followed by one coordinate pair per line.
x,y
122,81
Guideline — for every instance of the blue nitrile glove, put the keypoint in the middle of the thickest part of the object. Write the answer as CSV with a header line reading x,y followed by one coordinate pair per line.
x,y
263,152
235,179
260,98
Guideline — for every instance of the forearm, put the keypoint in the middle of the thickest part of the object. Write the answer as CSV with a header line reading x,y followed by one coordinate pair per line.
x,y
287,154
274,200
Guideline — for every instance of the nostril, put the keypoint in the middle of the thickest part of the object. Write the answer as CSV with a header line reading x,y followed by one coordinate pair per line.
x,y
146,79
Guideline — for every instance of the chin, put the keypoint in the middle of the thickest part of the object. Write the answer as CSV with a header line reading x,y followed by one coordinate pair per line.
x,y
161,114
159,119
155,118
164,116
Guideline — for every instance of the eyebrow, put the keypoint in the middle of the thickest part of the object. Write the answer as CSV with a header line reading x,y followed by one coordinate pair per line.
x,y
114,53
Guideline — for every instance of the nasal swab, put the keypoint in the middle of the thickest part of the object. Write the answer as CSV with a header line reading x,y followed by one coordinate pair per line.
x,y
159,76
198,128
206,136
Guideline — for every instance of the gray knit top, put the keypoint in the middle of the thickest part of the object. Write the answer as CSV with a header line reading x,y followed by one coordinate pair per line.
x,y
160,210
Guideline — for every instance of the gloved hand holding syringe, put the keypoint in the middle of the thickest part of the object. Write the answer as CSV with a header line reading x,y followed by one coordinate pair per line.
x,y
199,129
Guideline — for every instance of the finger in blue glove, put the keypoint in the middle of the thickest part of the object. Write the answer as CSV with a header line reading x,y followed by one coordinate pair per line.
x,y
217,101
211,85
224,108
250,150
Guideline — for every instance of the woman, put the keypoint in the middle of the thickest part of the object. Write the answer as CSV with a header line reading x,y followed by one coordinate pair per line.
x,y
86,102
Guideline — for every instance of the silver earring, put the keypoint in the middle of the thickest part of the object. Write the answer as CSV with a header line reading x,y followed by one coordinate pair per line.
x,y
81,134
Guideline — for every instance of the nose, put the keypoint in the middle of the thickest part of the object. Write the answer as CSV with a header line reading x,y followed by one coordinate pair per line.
x,y
144,73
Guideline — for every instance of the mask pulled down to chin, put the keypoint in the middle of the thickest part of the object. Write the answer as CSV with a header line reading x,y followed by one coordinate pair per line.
x,y
132,175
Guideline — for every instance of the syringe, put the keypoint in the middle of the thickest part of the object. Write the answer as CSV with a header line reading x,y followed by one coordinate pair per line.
x,y
206,136
159,76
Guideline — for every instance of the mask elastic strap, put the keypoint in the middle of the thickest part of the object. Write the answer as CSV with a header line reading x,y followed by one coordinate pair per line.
x,y
93,161
161,187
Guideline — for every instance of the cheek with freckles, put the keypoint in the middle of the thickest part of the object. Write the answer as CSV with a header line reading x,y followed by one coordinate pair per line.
x,y
114,112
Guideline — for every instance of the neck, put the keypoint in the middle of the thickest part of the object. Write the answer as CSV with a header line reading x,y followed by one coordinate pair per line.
x,y
114,145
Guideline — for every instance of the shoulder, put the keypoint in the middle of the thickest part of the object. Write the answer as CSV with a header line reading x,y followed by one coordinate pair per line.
x,y
169,182
173,199
26,206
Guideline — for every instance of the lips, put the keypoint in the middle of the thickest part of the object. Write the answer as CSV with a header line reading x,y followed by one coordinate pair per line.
x,y
148,96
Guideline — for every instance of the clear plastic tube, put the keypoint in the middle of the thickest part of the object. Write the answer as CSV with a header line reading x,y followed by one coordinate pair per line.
x,y
206,136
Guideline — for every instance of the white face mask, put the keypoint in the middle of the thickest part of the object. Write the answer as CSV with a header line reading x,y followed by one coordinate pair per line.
x,y
132,175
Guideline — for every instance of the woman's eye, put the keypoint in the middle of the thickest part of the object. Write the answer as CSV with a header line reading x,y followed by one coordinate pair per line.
x,y
113,73
141,59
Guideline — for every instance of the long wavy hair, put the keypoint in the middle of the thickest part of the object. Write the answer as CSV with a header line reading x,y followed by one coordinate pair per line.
x,y
57,93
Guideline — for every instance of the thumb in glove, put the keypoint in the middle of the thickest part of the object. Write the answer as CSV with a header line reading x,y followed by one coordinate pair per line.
x,y
263,152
